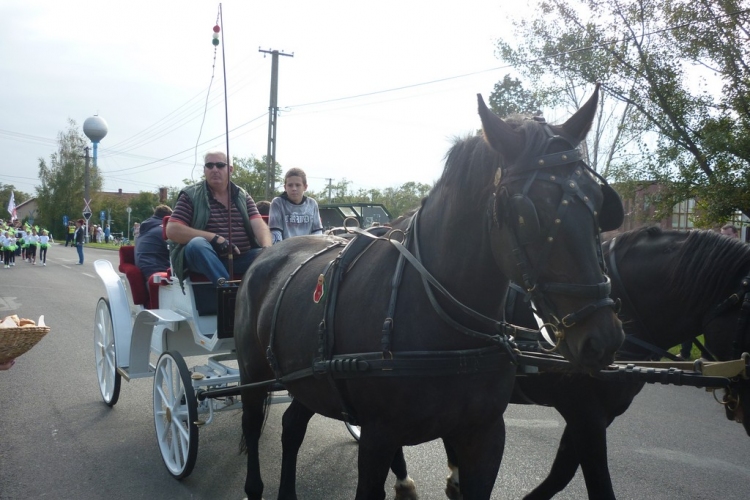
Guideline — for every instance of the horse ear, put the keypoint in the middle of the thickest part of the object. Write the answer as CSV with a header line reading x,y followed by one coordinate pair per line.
x,y
498,134
579,124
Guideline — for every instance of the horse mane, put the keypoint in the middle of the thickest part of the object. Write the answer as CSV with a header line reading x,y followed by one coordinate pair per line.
x,y
627,239
710,260
705,264
471,163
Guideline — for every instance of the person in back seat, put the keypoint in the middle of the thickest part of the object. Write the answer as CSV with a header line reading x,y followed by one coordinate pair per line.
x,y
293,213
151,251
200,225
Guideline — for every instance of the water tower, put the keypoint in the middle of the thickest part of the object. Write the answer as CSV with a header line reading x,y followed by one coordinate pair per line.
x,y
95,129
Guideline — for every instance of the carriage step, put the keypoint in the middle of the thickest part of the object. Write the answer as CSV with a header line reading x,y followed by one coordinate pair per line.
x,y
166,315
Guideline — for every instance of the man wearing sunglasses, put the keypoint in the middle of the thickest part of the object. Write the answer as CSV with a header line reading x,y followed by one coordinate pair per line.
x,y
199,226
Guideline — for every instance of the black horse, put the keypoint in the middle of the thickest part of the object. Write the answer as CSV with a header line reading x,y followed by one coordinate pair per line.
x,y
385,333
673,286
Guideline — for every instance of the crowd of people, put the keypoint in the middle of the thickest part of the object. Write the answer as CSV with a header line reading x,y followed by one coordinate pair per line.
x,y
23,242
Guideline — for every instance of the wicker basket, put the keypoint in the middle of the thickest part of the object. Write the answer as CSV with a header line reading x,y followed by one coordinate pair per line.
x,y
16,341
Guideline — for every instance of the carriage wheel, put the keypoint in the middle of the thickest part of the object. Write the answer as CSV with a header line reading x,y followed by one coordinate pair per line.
x,y
175,414
354,430
104,350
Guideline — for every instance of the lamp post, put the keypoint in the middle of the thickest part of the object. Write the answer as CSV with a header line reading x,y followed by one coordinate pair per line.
x,y
129,210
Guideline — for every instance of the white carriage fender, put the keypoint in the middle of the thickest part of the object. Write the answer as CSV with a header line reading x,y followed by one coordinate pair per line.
x,y
118,308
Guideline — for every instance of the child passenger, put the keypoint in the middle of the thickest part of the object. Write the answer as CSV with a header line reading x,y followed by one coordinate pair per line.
x,y
293,213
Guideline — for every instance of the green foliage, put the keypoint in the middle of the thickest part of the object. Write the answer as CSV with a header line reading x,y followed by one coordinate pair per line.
x,y
664,60
397,201
509,97
61,189
5,191
250,174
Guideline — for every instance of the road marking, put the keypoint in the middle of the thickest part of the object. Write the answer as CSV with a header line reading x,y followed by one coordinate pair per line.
x,y
89,275
8,304
531,423
697,461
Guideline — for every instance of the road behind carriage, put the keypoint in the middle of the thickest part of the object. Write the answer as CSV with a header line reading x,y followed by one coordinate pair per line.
x,y
58,440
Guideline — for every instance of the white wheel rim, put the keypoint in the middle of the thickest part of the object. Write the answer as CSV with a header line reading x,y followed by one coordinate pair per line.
x,y
171,415
104,349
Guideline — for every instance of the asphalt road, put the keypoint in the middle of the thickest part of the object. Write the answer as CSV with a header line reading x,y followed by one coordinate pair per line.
x,y
58,440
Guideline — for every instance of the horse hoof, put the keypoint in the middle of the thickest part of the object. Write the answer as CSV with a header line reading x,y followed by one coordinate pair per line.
x,y
452,489
406,489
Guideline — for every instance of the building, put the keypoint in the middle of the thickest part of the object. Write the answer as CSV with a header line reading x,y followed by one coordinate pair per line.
x,y
28,210
640,212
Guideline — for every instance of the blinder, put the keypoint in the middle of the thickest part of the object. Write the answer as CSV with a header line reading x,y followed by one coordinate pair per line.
x,y
520,213
523,213
612,213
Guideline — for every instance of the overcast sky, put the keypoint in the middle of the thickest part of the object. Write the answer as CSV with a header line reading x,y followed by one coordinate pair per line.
x,y
375,92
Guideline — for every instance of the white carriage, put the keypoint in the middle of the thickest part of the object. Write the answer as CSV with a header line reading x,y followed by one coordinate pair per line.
x,y
141,332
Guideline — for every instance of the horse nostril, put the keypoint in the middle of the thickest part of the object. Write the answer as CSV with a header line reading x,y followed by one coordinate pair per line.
x,y
592,351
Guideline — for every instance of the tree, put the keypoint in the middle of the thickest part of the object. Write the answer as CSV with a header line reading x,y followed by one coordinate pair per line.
x,y
651,55
62,181
396,200
509,97
5,191
250,174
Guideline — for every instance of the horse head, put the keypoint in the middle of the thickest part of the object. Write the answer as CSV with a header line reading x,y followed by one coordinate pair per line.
x,y
548,210
684,284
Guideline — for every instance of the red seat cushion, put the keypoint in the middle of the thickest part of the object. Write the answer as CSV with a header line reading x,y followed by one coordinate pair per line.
x,y
154,282
134,275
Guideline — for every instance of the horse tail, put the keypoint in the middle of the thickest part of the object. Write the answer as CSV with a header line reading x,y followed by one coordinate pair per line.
x,y
266,406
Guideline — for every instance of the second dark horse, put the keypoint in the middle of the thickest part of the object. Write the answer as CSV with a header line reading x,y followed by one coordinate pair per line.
x,y
674,286
387,337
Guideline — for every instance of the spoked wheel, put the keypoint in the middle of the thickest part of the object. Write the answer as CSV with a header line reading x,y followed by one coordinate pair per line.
x,y
104,350
175,414
354,430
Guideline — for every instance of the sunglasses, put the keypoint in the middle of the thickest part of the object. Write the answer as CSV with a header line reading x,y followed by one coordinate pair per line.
x,y
218,164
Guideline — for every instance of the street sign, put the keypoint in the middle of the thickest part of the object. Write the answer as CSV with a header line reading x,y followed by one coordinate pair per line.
x,y
87,215
65,220
101,215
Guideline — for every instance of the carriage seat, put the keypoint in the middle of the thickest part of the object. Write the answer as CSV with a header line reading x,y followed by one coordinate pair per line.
x,y
206,302
142,296
194,277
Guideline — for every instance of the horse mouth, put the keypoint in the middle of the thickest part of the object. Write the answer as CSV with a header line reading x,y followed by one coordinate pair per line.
x,y
590,358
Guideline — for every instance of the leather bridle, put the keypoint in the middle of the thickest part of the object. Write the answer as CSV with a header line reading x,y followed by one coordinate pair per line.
x,y
536,290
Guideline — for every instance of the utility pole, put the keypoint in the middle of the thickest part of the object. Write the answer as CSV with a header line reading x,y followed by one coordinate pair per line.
x,y
329,188
273,111
86,199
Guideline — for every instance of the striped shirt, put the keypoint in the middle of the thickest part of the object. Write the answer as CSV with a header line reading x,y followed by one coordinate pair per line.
x,y
218,221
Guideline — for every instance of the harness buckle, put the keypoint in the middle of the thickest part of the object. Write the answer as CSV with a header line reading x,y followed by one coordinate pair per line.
x,y
567,318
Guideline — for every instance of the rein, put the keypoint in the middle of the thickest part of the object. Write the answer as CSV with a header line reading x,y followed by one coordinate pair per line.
x,y
534,290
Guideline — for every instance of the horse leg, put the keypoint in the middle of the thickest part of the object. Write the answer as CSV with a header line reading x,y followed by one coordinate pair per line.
x,y
592,450
563,469
253,416
480,455
405,487
452,487
294,424
583,444
376,454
